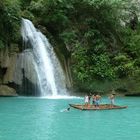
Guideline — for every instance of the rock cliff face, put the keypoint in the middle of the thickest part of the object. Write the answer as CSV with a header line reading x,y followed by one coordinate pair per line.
x,y
66,63
25,74
8,58
17,72
25,67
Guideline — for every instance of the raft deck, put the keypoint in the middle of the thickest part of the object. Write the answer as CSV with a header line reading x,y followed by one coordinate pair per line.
x,y
92,107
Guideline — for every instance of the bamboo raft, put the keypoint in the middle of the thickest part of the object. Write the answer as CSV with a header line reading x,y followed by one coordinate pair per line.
x,y
92,107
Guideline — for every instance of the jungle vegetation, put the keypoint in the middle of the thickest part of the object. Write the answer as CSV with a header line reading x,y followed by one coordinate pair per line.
x,y
101,37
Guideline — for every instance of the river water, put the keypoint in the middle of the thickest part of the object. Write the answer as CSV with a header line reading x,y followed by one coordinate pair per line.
x,y
23,118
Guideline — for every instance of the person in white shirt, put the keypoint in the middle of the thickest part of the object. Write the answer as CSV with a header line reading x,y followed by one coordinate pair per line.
x,y
86,100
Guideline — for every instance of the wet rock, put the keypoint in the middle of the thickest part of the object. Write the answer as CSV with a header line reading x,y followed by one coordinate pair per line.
x,y
7,91
10,72
4,58
25,67
25,74
17,70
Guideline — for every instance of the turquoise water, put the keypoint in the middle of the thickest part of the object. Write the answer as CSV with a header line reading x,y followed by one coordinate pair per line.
x,y
44,119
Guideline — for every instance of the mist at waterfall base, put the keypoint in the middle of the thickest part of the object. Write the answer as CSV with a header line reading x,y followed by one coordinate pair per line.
x,y
50,75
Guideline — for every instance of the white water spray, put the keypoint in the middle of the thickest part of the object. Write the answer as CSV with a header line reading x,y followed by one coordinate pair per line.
x,y
50,74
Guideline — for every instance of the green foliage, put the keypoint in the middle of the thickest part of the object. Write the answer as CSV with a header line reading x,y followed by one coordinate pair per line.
x,y
97,34
124,66
102,37
132,42
10,20
1,44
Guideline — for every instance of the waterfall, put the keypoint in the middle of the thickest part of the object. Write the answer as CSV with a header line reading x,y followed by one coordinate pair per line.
x,y
50,75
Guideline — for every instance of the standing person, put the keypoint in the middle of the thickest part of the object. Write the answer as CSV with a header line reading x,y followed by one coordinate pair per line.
x,y
94,99
98,97
86,100
89,97
112,97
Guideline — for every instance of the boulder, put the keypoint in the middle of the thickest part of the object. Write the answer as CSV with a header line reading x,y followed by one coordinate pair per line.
x,y
7,91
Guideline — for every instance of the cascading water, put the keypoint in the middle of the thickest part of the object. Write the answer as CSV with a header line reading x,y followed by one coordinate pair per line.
x,y
50,74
